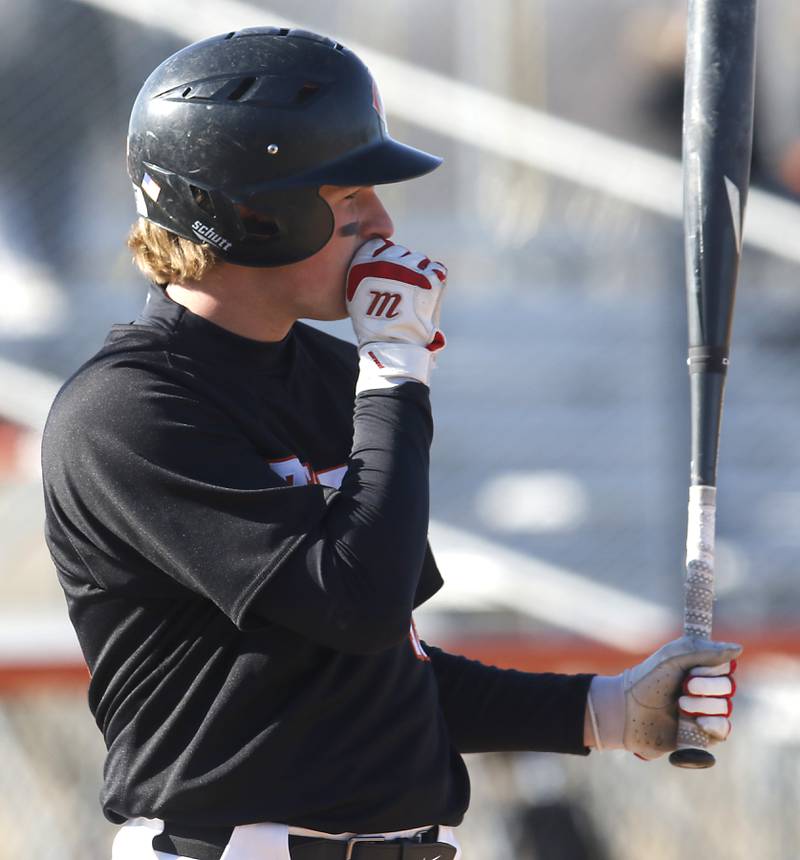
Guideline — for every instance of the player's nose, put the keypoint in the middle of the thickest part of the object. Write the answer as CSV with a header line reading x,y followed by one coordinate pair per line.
x,y
375,220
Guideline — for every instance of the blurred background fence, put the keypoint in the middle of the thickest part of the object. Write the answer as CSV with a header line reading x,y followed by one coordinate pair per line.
x,y
559,469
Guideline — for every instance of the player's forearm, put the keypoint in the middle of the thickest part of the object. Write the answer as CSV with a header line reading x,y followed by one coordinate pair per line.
x,y
389,461
496,710
382,517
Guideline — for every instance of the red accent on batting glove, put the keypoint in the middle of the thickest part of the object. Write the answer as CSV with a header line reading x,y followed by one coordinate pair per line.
x,y
438,342
384,269
687,692
441,273
375,359
727,713
690,677
386,244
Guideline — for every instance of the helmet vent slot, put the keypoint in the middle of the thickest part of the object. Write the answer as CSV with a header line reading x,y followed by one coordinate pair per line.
x,y
306,92
185,93
203,199
284,31
339,47
241,88
229,36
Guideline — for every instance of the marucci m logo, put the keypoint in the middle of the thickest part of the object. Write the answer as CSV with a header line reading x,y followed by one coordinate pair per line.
x,y
381,302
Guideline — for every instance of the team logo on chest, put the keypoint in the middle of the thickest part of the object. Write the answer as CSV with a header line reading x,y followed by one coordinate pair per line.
x,y
297,474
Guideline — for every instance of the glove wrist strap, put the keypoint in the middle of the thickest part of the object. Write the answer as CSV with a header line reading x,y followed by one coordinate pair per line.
x,y
607,711
386,365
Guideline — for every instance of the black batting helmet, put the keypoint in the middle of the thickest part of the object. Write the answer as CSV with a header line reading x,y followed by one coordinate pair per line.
x,y
231,137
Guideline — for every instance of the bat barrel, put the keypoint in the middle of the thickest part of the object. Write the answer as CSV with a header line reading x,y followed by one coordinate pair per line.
x,y
717,143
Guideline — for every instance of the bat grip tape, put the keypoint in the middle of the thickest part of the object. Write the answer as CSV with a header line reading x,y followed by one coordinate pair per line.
x,y
698,615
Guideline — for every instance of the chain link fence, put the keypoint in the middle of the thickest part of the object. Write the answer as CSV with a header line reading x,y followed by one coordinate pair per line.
x,y
52,756
609,806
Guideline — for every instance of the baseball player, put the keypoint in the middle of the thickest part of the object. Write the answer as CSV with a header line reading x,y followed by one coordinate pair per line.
x,y
237,503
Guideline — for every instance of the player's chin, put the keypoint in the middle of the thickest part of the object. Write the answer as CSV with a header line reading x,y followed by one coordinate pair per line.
x,y
334,311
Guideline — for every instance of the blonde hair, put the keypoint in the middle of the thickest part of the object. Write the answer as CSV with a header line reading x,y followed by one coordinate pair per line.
x,y
165,258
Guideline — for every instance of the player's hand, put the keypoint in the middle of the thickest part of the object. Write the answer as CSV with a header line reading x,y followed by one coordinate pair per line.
x,y
394,299
638,710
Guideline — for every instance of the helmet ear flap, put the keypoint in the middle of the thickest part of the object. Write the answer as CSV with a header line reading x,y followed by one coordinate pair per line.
x,y
280,227
196,212
263,228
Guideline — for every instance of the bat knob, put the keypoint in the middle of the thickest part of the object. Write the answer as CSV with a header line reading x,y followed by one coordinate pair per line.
x,y
692,758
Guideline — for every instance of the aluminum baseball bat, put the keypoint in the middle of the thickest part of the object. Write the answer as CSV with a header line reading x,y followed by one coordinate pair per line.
x,y
717,148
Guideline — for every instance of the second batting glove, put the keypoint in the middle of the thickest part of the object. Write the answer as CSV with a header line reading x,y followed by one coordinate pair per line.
x,y
638,710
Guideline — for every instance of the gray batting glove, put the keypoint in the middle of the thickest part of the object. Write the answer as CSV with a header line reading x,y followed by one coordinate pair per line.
x,y
638,710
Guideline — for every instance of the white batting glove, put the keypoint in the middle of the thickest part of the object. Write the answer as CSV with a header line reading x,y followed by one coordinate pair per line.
x,y
394,299
638,710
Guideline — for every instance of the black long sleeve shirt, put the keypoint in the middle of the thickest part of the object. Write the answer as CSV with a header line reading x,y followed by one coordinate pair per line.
x,y
241,553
